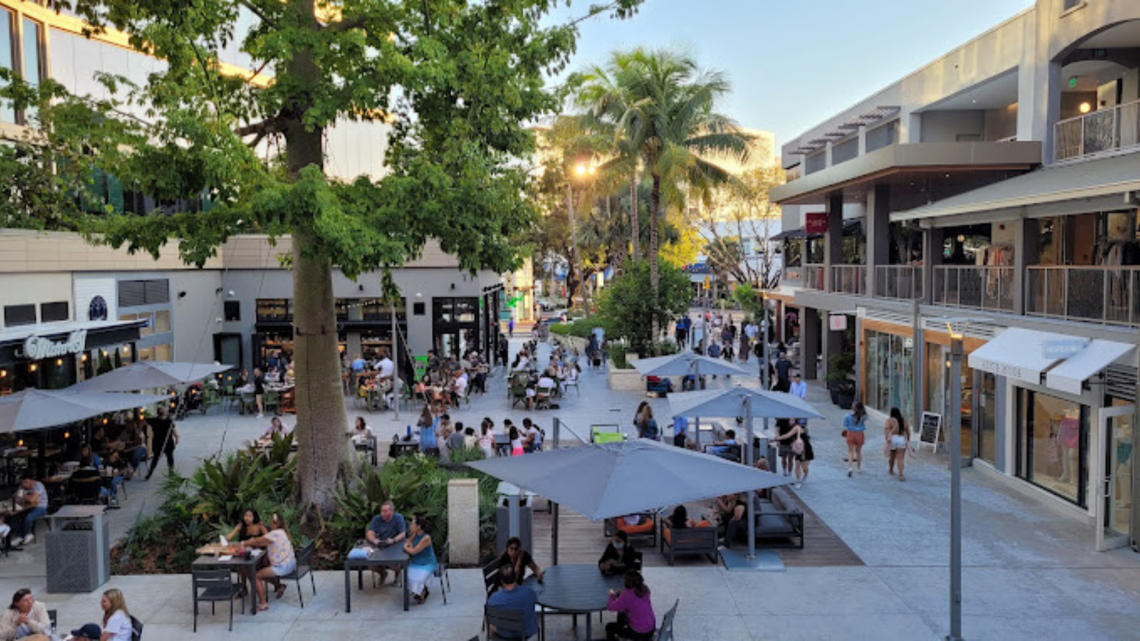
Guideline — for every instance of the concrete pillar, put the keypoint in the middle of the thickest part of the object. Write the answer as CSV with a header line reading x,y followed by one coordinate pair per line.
x,y
833,241
931,258
1039,99
463,521
809,342
878,233
1025,234
352,344
832,344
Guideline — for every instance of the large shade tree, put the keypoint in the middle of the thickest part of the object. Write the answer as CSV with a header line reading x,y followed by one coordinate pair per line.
x,y
455,80
661,108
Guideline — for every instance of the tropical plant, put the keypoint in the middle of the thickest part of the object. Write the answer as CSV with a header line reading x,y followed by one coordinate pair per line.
x,y
660,107
230,153
626,306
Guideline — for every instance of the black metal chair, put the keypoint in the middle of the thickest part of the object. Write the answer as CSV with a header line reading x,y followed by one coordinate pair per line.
x,y
212,586
137,627
442,575
85,490
53,616
304,566
498,620
665,632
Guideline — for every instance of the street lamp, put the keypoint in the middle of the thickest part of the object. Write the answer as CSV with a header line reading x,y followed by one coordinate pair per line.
x,y
955,481
582,170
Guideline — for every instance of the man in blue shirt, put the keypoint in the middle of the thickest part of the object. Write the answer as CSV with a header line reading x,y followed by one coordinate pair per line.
x,y
680,431
518,598
386,528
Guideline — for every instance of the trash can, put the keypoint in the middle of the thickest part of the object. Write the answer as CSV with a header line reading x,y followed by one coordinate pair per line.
x,y
503,517
78,549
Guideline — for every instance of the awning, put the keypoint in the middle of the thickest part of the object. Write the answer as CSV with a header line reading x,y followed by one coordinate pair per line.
x,y
1018,353
789,234
849,225
1071,374
1045,189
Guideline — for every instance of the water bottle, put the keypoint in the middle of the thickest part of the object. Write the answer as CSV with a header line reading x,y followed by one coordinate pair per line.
x,y
409,432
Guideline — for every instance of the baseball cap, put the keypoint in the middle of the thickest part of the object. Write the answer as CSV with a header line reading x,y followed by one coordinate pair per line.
x,y
89,631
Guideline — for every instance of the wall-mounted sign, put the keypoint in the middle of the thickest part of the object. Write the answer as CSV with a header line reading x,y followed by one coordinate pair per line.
x,y
837,322
97,310
38,347
815,222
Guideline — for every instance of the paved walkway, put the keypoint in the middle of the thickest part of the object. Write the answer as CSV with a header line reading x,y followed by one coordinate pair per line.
x,y
1030,572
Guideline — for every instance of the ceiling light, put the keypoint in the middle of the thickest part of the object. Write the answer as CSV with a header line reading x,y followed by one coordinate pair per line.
x,y
1085,107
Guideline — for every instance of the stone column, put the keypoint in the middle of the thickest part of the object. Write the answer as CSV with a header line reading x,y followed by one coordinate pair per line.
x,y
832,343
1026,236
878,234
833,241
809,342
931,258
463,521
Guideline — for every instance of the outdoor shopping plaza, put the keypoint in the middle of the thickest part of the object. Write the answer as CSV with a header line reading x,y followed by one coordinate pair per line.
x,y
513,321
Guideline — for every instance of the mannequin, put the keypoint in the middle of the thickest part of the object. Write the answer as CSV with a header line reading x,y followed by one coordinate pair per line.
x,y
1070,440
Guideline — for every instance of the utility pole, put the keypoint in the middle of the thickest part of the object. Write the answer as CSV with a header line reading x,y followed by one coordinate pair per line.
x,y
955,485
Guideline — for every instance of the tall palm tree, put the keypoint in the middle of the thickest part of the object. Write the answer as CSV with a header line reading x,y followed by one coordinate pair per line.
x,y
661,108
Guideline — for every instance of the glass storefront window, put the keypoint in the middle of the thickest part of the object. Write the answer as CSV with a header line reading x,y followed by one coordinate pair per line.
x,y
987,418
161,321
890,379
1052,444
273,309
7,111
162,352
33,65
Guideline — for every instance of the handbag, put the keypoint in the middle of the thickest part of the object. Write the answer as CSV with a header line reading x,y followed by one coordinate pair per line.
x,y
843,433
798,445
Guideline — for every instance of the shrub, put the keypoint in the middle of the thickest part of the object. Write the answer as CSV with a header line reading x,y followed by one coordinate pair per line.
x,y
626,307
581,328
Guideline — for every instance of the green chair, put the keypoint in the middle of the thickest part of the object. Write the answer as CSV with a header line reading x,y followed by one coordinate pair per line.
x,y
247,402
272,400
610,433
210,397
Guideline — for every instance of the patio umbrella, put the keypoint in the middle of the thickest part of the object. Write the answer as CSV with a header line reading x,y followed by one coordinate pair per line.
x,y
748,403
34,409
150,374
684,364
608,480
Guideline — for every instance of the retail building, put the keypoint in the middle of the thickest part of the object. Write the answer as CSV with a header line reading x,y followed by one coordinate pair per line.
x,y
993,192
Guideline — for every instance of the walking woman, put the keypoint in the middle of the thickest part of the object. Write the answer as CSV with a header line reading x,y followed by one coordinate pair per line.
x,y
798,442
897,435
855,426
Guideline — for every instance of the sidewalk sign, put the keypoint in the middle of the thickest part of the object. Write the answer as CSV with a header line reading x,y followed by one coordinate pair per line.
x,y
931,430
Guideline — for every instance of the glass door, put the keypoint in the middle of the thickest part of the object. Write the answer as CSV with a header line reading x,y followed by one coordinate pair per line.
x,y
1114,489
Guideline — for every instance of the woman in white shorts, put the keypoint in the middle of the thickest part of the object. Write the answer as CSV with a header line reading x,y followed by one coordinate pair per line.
x,y
279,553
897,435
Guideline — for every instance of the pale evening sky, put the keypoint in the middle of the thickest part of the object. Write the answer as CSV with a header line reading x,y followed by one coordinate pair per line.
x,y
795,63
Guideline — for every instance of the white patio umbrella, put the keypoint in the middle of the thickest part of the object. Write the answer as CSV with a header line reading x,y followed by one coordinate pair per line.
x,y
34,409
684,364
148,375
749,404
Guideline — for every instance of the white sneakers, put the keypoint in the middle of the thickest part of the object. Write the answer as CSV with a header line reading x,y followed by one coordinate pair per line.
x,y
29,538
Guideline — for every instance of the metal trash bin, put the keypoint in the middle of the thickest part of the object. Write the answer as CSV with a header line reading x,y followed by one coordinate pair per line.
x,y
507,492
78,549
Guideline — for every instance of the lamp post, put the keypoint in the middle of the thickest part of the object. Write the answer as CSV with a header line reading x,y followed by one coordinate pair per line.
x,y
583,170
955,484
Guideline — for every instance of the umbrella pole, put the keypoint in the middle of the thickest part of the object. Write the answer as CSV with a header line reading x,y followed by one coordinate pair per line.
x,y
554,527
750,507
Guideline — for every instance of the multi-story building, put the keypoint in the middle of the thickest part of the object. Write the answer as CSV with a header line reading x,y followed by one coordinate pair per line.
x,y
997,188
238,307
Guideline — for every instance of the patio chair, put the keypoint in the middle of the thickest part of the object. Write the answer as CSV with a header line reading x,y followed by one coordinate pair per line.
x,y
136,629
210,398
213,586
53,616
499,620
272,400
247,402
517,394
568,384
665,631
695,540
609,433
304,566
491,576
86,490
542,397
442,575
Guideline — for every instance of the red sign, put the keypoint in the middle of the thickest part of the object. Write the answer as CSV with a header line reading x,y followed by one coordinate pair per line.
x,y
815,222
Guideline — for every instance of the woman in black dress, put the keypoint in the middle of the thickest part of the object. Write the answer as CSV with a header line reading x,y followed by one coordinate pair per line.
x,y
799,442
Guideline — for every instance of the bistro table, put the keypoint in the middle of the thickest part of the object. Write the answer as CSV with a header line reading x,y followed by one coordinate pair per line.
x,y
234,563
573,589
387,556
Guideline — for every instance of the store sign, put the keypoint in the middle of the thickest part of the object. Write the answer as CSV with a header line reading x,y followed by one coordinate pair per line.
x,y
815,222
1000,368
837,322
38,347
1063,347
97,310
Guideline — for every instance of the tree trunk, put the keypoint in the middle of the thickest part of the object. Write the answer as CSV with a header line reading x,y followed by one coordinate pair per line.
x,y
321,418
634,222
654,276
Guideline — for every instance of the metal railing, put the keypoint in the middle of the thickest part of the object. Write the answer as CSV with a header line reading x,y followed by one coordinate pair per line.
x,y
849,279
978,287
900,282
813,277
1097,132
1099,294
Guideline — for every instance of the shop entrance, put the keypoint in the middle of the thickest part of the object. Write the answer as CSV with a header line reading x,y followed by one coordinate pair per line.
x,y
1114,489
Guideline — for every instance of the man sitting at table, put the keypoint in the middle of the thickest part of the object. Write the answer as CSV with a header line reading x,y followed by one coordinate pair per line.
x,y
387,528
516,598
619,556
32,501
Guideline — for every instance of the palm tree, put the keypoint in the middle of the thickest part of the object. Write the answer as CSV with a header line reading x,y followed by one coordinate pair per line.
x,y
660,107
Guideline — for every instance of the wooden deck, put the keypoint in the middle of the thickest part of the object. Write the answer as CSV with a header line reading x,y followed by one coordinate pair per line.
x,y
582,541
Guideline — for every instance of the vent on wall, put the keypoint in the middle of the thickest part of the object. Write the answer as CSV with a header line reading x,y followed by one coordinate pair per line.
x,y
135,293
16,315
51,312
905,320
974,329
1120,382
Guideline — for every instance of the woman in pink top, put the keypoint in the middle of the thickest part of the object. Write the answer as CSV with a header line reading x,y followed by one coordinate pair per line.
x,y
635,619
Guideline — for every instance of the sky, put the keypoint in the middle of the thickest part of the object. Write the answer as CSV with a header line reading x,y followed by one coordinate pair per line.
x,y
795,63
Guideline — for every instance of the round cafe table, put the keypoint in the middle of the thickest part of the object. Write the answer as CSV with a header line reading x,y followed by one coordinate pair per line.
x,y
573,589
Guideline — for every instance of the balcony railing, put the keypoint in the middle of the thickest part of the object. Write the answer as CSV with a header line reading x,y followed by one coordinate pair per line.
x,y
900,282
1099,294
813,276
849,279
978,287
1098,132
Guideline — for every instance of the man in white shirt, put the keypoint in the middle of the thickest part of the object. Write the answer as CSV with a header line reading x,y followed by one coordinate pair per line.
x,y
385,367
750,330
532,436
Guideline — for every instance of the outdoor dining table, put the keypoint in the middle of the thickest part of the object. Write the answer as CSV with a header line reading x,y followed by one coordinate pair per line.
x,y
234,563
573,589
385,556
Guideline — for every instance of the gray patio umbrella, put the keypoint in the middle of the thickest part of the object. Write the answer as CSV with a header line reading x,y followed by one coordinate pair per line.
x,y
34,409
684,364
747,403
608,480
148,375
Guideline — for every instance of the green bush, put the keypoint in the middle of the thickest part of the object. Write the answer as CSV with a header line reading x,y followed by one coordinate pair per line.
x,y
581,328
626,308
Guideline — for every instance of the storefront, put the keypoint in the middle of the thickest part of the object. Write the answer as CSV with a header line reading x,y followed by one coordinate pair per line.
x,y
58,355
888,376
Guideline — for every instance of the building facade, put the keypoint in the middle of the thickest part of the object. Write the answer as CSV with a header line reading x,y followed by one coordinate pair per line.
x,y
993,194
